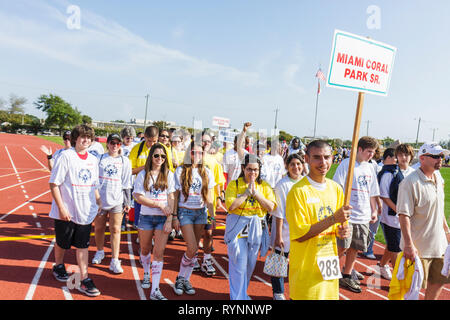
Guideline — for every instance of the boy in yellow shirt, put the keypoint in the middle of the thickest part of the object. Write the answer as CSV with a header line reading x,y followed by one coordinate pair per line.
x,y
314,211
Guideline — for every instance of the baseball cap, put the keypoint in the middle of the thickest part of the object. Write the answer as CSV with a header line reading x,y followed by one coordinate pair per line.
x,y
113,136
430,148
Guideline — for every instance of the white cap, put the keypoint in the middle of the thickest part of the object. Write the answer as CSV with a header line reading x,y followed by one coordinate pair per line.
x,y
430,148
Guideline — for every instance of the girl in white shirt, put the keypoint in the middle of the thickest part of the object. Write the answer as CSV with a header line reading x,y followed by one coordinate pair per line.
x,y
154,189
280,227
115,181
193,182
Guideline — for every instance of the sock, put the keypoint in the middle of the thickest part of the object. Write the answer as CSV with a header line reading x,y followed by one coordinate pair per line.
x,y
346,275
146,261
206,256
157,267
186,266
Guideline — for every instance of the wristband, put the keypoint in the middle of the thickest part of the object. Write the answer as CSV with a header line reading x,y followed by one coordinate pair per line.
x,y
49,157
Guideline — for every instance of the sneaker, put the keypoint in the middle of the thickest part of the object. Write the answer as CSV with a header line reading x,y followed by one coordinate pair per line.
x,y
370,256
385,272
145,284
207,267
157,295
179,285
172,235
179,235
99,255
115,266
88,288
60,273
187,287
350,284
358,275
279,296
196,265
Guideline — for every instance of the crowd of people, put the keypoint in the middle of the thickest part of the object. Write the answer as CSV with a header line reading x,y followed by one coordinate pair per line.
x,y
276,196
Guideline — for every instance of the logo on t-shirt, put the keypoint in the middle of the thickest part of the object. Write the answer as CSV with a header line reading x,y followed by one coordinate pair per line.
x,y
196,185
85,175
111,170
155,193
362,182
324,212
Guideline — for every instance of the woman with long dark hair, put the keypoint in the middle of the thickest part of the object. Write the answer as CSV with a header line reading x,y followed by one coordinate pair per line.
x,y
154,189
193,182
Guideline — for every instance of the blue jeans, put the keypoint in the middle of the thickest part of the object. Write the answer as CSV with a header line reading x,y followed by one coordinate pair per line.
x,y
373,227
192,216
278,283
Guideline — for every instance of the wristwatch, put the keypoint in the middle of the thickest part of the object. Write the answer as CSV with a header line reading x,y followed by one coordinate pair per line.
x,y
49,157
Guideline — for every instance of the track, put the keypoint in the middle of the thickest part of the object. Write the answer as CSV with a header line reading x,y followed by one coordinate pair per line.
x,y
26,246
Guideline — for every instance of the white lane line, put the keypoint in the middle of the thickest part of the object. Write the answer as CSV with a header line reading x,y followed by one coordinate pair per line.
x,y
10,159
170,283
66,293
43,166
220,267
10,174
377,294
134,269
38,225
38,274
263,281
343,297
23,204
31,207
26,196
22,183
34,215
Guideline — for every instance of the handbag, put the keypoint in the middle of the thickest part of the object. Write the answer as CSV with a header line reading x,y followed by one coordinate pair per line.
x,y
276,264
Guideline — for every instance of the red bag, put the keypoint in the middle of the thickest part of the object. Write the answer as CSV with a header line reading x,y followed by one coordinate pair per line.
x,y
131,215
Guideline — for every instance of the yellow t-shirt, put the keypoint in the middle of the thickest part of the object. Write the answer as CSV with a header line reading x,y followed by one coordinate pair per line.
x,y
211,163
251,206
139,162
305,206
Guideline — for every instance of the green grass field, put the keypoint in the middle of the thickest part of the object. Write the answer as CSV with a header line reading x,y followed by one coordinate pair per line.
x,y
59,140
445,174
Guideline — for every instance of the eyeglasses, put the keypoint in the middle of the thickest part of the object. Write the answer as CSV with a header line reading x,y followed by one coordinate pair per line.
x,y
435,156
252,170
164,136
157,155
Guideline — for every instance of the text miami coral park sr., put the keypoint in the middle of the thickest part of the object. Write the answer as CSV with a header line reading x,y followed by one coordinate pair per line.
x,y
368,64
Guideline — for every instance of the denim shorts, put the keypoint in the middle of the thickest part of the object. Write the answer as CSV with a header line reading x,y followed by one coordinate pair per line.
x,y
151,222
192,216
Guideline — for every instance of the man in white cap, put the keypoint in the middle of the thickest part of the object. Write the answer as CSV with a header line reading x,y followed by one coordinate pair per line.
x,y
420,208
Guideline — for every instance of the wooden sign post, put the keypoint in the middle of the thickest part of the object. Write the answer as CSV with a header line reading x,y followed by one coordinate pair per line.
x,y
363,65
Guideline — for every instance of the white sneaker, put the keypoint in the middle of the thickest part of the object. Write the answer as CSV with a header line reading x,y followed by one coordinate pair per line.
x,y
157,295
145,284
279,296
385,272
115,266
99,255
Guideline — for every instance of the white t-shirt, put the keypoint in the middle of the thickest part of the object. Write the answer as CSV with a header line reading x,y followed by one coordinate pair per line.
x,y
364,186
195,199
273,169
232,164
127,149
281,190
385,183
77,180
152,194
96,149
56,155
114,177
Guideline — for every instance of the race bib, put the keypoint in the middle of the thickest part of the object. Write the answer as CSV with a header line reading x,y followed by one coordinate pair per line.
x,y
329,267
243,233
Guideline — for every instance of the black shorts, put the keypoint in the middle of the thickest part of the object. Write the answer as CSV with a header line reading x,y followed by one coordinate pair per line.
x,y
70,234
392,237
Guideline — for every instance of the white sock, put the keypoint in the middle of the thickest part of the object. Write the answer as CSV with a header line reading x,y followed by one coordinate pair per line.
x,y
186,266
157,267
146,261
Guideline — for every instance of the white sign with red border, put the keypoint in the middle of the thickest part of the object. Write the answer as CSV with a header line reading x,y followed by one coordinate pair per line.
x,y
360,64
221,122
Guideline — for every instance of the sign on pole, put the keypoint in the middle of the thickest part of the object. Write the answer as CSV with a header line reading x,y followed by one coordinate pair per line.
x,y
360,64
363,65
221,122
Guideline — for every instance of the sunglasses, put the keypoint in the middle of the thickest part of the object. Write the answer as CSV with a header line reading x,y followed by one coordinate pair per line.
x,y
164,136
113,143
157,155
66,138
437,156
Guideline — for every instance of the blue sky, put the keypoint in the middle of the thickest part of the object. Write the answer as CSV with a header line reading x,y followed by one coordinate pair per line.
x,y
234,59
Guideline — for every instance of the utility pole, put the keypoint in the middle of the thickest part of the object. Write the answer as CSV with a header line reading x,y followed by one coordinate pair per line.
x,y
276,117
146,106
434,130
417,136
367,127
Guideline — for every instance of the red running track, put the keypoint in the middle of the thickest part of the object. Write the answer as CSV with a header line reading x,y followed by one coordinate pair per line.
x,y
26,262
